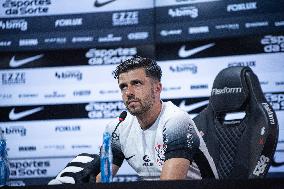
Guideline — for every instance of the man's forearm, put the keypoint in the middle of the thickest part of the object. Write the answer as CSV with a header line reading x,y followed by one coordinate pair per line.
x,y
175,169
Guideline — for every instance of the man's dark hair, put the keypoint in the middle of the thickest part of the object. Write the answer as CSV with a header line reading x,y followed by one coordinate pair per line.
x,y
152,69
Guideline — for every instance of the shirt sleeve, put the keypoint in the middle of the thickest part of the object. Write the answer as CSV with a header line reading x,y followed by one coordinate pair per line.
x,y
117,153
180,137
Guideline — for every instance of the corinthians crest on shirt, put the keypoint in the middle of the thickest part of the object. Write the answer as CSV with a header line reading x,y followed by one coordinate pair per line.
x,y
160,153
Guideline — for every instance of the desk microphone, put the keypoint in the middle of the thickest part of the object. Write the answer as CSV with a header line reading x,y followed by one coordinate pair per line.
x,y
121,118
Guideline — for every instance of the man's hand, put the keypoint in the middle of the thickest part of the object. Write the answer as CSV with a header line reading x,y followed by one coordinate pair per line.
x,y
82,169
175,169
115,169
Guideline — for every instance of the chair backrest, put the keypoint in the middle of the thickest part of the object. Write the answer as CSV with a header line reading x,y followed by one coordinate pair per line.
x,y
240,147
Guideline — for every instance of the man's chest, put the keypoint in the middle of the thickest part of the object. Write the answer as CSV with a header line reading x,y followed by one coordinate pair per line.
x,y
144,150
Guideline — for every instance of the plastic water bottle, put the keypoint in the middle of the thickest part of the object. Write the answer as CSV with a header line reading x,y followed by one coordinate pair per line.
x,y
4,164
106,159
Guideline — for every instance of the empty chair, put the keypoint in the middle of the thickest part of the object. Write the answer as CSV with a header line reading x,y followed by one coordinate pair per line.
x,y
241,147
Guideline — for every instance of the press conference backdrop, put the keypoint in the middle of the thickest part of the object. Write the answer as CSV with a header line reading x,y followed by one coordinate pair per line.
x,y
57,57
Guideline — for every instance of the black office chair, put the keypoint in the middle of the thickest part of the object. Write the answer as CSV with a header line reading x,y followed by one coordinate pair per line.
x,y
240,147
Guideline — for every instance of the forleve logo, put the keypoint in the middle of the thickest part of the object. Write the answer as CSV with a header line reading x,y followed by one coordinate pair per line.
x,y
183,53
16,63
194,106
18,115
242,7
99,3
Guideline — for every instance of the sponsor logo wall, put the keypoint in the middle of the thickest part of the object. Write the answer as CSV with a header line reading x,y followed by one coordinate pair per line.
x,y
38,88
55,104
192,20
67,24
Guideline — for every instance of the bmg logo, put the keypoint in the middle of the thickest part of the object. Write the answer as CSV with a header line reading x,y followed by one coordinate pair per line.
x,y
15,130
74,74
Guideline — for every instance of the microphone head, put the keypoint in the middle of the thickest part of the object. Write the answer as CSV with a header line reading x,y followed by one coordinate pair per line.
x,y
122,116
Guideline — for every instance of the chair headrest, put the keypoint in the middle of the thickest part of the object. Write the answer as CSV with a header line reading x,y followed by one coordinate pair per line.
x,y
230,90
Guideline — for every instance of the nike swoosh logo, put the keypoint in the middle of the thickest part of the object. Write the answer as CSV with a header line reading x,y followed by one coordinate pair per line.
x,y
15,116
194,106
183,53
129,157
100,4
16,63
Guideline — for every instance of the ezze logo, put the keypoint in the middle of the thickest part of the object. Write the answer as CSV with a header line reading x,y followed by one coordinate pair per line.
x,y
125,18
28,168
13,78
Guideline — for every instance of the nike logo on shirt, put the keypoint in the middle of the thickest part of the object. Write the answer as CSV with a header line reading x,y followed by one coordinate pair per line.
x,y
183,53
194,106
130,157
16,63
100,4
18,115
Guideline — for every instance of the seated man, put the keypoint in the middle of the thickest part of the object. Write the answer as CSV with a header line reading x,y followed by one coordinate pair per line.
x,y
158,139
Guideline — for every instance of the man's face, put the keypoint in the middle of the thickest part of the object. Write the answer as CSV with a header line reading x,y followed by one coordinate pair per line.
x,y
138,91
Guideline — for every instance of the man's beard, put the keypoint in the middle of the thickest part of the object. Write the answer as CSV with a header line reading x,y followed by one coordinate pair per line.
x,y
145,106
